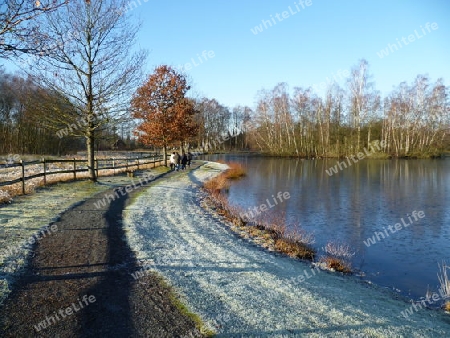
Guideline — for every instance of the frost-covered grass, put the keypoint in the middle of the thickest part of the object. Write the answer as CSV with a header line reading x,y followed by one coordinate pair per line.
x,y
241,290
27,215
12,173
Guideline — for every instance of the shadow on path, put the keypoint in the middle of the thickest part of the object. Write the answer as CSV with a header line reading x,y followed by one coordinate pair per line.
x,y
88,256
112,293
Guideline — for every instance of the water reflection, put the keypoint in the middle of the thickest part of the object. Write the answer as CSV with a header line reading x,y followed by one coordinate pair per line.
x,y
352,204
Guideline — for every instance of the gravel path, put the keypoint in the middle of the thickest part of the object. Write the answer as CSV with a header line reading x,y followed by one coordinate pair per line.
x,y
241,290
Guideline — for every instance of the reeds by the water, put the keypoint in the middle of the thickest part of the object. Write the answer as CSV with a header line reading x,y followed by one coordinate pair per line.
x,y
444,282
271,228
337,257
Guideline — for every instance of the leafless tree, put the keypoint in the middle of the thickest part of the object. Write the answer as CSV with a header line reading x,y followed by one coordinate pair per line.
x,y
19,29
90,63
363,98
214,121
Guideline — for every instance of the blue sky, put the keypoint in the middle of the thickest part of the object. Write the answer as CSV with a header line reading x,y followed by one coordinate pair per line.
x,y
309,44
302,50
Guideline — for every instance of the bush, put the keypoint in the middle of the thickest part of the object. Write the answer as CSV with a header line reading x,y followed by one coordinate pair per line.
x,y
220,183
217,184
337,257
339,250
336,264
236,171
294,249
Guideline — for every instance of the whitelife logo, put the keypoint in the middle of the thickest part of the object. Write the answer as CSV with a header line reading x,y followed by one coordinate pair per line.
x,y
258,210
379,235
72,309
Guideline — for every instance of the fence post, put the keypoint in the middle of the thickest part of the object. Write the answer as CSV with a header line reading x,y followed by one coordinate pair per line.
x,y
126,164
137,159
114,167
45,171
23,176
96,166
74,169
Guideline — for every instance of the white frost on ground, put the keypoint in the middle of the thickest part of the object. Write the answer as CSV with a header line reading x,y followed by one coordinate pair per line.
x,y
240,290
30,214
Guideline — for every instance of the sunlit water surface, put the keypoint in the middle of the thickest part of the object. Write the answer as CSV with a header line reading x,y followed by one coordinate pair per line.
x,y
353,204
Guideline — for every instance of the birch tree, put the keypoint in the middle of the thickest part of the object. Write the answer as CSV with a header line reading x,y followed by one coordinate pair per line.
x,y
214,124
363,98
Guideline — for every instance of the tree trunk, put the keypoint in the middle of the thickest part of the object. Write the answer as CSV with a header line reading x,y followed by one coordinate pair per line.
x,y
181,147
165,154
91,155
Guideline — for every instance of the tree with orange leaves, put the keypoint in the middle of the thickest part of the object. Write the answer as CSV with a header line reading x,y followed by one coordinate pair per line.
x,y
165,112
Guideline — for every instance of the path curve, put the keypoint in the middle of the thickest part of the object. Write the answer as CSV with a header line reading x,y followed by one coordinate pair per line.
x,y
241,290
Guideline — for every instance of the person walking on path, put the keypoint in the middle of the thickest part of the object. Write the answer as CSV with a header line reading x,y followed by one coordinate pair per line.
x,y
189,159
184,161
177,161
172,161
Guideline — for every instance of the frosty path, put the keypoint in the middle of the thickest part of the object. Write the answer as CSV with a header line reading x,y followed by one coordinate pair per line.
x,y
241,290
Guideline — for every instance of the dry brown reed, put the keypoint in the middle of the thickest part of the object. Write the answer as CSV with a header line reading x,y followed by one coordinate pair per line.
x,y
270,228
338,257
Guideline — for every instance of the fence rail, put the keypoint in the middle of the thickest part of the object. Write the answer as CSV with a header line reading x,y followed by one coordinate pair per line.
x,y
130,164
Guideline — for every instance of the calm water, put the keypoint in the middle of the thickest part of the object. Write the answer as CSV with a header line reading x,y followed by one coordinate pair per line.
x,y
362,199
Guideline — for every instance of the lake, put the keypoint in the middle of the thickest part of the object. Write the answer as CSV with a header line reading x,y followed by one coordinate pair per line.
x,y
403,206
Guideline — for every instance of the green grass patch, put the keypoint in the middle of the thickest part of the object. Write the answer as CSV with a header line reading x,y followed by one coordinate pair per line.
x,y
184,310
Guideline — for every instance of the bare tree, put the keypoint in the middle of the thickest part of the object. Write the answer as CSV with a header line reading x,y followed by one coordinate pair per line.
x,y
214,121
364,100
239,120
19,30
91,64
416,118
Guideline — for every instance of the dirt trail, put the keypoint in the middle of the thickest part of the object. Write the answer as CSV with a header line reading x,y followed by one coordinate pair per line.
x,y
88,257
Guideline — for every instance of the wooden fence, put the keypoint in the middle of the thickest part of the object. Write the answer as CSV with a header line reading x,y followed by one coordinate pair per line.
x,y
129,164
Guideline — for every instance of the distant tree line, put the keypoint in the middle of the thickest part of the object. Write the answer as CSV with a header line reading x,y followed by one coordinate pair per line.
x,y
38,121
413,120
19,132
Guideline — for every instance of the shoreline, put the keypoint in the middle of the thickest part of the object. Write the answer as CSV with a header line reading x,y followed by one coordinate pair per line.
x,y
221,275
373,156
368,192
